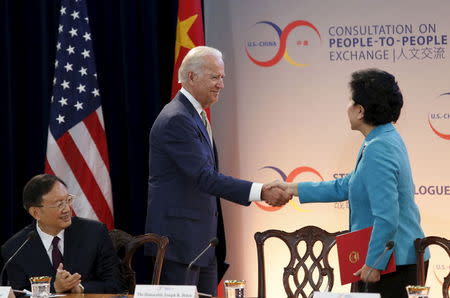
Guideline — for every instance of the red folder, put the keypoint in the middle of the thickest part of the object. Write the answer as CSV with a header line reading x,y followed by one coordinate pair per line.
x,y
352,251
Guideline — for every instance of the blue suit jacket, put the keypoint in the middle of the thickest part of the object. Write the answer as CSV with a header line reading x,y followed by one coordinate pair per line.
x,y
88,250
380,192
185,185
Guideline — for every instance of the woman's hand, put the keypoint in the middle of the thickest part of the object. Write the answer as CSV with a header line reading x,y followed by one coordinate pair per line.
x,y
291,188
368,274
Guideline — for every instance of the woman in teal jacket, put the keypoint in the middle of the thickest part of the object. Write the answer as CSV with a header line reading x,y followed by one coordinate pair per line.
x,y
380,189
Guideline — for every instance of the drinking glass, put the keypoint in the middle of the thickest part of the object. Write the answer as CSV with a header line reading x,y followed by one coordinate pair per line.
x,y
417,291
40,286
234,288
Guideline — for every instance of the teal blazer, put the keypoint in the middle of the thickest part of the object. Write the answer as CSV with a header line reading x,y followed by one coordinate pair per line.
x,y
380,192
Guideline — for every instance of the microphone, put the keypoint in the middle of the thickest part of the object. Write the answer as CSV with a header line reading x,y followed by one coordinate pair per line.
x,y
389,245
30,236
212,243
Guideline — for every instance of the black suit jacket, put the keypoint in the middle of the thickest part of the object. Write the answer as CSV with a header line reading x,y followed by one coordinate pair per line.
x,y
88,250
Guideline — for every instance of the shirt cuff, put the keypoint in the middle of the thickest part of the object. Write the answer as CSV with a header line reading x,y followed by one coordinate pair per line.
x,y
255,192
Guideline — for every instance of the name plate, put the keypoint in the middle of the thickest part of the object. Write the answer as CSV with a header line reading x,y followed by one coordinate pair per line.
x,y
161,291
4,292
345,295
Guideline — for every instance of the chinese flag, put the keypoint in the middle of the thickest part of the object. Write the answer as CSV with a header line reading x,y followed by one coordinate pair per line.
x,y
190,34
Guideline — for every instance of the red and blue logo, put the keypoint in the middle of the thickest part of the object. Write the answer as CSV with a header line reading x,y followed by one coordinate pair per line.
x,y
288,178
439,118
297,37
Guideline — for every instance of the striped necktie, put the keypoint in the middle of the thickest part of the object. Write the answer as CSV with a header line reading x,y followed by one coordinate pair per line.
x,y
207,125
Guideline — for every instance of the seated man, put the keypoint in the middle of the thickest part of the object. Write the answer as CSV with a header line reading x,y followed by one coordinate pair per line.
x,y
77,253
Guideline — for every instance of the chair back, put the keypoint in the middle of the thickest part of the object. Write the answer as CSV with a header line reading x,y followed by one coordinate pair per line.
x,y
308,264
126,245
421,244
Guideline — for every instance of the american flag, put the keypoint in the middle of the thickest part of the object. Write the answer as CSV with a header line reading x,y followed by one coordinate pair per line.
x,y
76,146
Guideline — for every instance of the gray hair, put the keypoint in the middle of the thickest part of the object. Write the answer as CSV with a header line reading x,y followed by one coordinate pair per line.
x,y
194,62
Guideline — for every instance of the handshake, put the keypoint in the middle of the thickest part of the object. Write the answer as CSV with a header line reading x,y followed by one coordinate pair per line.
x,y
278,193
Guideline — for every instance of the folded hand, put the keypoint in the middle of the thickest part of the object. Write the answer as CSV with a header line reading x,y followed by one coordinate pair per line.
x,y
65,281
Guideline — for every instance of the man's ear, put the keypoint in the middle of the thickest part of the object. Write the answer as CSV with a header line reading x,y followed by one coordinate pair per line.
x,y
191,76
35,212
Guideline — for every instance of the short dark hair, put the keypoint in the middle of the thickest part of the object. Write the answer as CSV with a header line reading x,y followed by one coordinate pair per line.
x,y
378,92
37,187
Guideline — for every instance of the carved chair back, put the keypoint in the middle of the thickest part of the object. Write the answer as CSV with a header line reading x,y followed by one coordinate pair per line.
x,y
308,267
126,245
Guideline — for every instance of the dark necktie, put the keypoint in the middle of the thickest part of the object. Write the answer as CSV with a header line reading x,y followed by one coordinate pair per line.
x,y
56,253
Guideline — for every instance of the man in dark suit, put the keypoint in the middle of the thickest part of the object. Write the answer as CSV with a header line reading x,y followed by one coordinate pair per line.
x,y
77,253
185,184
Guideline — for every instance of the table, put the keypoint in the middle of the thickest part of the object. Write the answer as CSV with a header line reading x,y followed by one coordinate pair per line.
x,y
102,296
97,296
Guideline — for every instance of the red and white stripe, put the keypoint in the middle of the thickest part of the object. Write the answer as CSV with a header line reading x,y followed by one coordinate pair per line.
x,y
80,158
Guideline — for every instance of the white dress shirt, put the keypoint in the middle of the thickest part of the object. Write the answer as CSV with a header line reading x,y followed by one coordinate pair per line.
x,y
47,241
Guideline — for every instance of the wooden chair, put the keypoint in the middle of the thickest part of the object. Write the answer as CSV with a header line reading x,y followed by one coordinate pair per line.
x,y
126,245
421,244
320,265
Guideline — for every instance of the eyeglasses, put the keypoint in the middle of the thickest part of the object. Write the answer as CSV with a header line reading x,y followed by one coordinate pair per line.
x,y
61,205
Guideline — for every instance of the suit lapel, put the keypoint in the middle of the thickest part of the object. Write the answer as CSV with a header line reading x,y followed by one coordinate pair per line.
x,y
196,117
40,257
360,154
216,156
68,246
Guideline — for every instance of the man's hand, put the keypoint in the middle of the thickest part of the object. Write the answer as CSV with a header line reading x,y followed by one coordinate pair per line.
x,y
290,188
64,281
275,196
77,290
368,274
